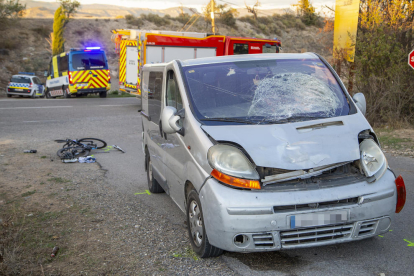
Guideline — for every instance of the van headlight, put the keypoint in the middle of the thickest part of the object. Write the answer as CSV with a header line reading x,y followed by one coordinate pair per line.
x,y
373,161
232,167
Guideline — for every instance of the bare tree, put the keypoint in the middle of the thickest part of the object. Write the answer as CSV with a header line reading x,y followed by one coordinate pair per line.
x,y
253,9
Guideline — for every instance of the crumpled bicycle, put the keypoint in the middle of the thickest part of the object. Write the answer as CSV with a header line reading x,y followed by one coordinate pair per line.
x,y
79,147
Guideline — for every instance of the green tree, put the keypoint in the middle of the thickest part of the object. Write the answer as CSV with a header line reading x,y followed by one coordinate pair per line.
x,y
69,8
58,42
11,9
307,12
62,16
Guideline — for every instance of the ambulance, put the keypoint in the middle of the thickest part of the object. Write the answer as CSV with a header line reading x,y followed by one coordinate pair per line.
x,y
138,47
78,72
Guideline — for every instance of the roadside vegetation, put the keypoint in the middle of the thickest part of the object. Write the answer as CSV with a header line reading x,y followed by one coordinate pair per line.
x,y
385,38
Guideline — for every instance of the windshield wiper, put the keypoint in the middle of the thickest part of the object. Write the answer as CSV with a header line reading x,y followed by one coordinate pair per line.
x,y
292,119
231,120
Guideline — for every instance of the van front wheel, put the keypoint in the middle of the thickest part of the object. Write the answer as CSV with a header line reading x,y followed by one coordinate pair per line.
x,y
196,229
153,185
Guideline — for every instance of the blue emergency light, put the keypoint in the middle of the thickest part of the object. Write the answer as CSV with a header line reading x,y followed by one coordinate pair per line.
x,y
26,73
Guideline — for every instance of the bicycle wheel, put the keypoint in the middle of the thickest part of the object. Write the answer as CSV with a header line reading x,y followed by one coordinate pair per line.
x,y
74,152
100,144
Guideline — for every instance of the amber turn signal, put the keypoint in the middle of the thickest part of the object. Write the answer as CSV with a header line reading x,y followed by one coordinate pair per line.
x,y
237,182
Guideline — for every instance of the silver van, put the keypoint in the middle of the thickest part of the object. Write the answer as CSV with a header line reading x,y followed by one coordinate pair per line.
x,y
265,152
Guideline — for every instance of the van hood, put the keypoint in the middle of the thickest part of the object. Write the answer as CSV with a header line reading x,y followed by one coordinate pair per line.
x,y
296,146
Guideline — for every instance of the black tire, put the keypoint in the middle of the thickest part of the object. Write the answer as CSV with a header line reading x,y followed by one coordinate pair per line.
x,y
9,95
100,144
78,95
76,152
20,96
196,229
47,93
153,185
33,95
65,93
102,94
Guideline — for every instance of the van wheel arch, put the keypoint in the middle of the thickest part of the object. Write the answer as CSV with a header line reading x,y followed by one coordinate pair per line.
x,y
188,187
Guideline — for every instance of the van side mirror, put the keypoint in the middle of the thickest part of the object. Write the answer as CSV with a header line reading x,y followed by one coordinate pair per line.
x,y
169,119
360,102
45,73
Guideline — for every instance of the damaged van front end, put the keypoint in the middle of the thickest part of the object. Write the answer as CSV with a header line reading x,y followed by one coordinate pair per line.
x,y
318,187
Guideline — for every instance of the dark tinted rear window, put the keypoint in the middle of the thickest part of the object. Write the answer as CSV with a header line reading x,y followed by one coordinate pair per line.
x,y
20,79
87,61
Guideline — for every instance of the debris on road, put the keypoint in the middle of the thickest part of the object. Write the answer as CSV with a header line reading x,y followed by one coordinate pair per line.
x,y
54,251
88,159
73,160
118,148
30,151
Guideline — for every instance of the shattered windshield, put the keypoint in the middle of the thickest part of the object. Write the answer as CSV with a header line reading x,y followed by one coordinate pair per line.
x,y
265,91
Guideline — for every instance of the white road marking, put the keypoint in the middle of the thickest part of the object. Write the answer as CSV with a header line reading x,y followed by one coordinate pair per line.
x,y
117,104
43,121
30,107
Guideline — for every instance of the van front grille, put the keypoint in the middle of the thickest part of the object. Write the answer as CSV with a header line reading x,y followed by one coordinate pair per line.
x,y
263,240
313,206
315,235
367,228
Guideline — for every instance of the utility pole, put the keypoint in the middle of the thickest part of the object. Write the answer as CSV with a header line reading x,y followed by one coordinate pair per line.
x,y
213,25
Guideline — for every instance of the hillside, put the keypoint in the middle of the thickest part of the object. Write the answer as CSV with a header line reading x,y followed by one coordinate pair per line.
x,y
33,55
38,9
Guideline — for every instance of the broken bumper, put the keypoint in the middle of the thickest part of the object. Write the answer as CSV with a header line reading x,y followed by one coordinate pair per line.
x,y
251,221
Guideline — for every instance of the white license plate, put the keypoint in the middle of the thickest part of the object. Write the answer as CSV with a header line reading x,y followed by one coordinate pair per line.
x,y
18,89
82,84
319,218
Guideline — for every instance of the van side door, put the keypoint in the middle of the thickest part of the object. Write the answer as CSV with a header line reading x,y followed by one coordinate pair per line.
x,y
151,109
175,152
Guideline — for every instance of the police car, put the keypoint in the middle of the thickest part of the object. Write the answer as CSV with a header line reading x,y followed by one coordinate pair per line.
x,y
25,84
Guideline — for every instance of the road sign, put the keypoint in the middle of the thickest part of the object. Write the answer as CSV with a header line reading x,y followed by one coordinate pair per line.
x,y
411,59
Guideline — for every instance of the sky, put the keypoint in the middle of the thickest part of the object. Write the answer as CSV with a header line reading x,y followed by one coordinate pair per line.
x,y
160,4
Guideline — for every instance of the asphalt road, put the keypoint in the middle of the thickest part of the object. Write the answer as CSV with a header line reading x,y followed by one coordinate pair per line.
x,y
117,121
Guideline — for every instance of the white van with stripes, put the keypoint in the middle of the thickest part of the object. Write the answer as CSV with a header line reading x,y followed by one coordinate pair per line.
x,y
78,72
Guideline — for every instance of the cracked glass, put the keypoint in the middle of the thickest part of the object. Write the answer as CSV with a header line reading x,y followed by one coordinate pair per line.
x,y
265,91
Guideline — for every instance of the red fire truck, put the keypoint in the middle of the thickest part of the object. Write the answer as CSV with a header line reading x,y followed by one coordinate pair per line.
x,y
138,47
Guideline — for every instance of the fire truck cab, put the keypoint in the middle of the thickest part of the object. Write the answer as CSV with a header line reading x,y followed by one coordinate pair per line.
x,y
138,47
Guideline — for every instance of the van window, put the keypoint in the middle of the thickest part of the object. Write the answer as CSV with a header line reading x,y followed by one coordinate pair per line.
x,y
267,49
265,91
154,96
51,69
240,49
173,93
86,61
63,63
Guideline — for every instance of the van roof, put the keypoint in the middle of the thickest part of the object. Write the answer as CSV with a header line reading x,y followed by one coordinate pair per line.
x,y
233,58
